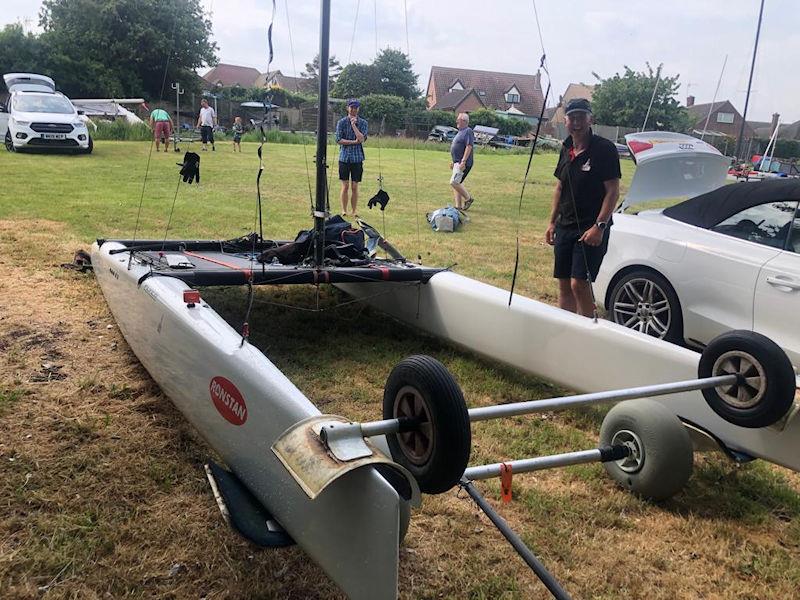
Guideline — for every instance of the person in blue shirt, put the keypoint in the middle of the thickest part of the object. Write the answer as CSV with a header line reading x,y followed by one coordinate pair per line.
x,y
461,161
351,132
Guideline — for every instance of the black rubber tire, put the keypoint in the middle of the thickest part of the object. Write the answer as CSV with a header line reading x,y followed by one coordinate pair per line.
x,y
8,142
445,434
89,149
674,328
666,455
759,406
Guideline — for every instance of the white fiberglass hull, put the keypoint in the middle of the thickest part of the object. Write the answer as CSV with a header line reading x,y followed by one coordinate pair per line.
x,y
570,350
351,529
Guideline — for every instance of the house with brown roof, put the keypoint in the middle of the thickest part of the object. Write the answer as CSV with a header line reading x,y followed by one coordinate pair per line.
x,y
466,90
286,82
227,75
724,120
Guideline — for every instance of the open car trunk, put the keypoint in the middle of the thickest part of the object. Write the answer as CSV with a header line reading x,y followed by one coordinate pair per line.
x,y
672,165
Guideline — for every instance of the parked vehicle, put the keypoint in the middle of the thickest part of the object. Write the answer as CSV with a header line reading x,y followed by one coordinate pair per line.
x,y
39,117
442,133
725,259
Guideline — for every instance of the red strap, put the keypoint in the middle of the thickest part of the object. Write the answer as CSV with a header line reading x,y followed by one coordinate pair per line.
x,y
505,481
248,273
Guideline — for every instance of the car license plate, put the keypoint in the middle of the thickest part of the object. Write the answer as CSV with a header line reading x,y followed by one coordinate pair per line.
x,y
54,136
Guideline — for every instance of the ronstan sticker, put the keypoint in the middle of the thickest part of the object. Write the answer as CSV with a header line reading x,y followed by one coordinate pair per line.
x,y
228,400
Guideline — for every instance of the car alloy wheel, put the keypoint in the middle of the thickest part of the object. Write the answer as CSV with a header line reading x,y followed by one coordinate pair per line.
x,y
642,305
9,142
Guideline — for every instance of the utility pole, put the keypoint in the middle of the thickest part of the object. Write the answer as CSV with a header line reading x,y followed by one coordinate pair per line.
x,y
749,84
176,134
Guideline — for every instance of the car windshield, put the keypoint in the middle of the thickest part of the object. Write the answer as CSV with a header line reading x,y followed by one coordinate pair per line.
x,y
43,104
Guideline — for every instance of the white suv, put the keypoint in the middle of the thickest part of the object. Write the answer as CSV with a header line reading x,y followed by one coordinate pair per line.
x,y
40,117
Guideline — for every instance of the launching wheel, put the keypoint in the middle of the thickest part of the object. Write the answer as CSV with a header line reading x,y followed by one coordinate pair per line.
x,y
435,443
765,389
661,455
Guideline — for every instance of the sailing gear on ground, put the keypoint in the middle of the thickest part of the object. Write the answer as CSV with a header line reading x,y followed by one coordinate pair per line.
x,y
465,137
381,198
190,167
582,179
446,219
569,254
351,171
351,153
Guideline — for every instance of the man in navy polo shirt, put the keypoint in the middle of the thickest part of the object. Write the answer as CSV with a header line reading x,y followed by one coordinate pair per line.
x,y
587,191
351,132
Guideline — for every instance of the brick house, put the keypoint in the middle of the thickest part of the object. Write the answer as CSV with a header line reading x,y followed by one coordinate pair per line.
x,y
226,75
725,119
466,90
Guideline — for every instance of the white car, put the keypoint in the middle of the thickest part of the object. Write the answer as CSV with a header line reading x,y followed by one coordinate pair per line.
x,y
39,117
725,259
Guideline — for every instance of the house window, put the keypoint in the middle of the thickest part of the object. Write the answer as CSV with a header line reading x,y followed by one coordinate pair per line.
x,y
512,98
724,117
456,87
481,93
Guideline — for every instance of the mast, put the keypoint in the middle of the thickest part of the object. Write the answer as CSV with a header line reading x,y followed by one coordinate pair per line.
x,y
749,83
322,134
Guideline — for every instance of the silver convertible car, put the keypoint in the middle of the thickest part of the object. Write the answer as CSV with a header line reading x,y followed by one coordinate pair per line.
x,y
726,258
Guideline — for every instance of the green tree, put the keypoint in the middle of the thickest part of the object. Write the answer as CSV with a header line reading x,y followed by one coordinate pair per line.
x,y
623,100
357,80
20,52
312,72
123,47
383,108
396,75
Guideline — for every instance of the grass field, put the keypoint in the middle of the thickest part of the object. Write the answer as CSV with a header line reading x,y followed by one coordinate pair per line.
x,y
102,493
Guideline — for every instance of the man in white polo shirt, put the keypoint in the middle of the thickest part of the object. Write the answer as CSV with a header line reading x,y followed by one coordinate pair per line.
x,y
206,122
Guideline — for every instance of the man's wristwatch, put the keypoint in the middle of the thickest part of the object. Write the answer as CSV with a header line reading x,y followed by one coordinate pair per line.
x,y
601,225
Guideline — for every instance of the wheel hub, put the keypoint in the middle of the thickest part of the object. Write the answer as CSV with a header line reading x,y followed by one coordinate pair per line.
x,y
635,460
416,445
751,383
642,305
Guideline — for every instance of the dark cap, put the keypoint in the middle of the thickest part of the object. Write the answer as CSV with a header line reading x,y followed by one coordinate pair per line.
x,y
353,102
578,105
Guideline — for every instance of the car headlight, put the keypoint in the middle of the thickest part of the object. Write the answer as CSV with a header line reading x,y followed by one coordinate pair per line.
x,y
78,124
22,123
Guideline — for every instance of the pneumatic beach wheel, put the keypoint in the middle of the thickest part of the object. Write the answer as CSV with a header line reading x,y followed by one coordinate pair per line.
x,y
661,455
765,387
436,440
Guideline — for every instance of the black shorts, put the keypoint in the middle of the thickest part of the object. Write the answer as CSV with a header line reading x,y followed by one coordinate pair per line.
x,y
207,134
569,254
351,171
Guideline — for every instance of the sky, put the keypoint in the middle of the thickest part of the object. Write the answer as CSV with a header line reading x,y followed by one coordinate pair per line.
x,y
690,37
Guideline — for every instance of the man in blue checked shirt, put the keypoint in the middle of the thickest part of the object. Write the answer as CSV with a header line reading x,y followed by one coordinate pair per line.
x,y
351,132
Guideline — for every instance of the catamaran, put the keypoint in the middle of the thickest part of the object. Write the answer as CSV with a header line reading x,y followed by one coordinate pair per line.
x,y
344,491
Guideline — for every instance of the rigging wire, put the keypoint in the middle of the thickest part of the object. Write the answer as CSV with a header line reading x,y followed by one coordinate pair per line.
x,y
294,68
153,140
413,148
259,216
569,183
353,37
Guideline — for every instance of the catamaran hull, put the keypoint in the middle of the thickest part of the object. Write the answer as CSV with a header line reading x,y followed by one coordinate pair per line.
x,y
569,350
241,404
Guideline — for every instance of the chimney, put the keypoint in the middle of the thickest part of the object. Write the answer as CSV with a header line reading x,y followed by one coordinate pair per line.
x,y
689,101
775,117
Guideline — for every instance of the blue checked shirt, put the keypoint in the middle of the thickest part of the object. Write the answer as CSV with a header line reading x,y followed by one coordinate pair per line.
x,y
344,131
